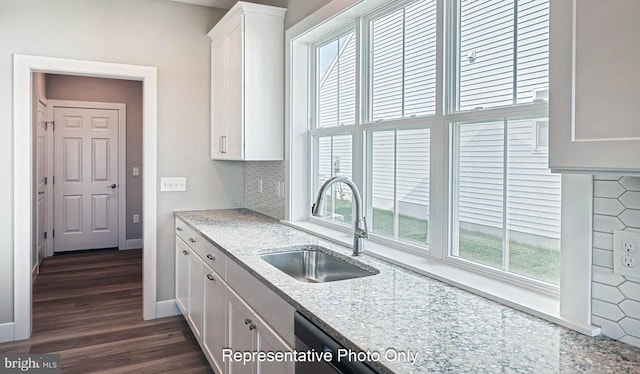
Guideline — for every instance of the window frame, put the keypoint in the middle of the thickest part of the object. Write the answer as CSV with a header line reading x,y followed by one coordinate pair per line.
x,y
440,124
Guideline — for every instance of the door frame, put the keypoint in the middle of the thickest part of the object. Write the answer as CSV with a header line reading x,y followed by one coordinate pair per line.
x,y
122,160
23,67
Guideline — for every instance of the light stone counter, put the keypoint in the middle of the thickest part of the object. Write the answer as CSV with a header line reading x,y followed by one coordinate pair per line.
x,y
450,329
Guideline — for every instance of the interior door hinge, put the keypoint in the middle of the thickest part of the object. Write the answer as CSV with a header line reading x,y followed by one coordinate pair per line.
x,y
47,124
53,180
46,180
53,233
45,234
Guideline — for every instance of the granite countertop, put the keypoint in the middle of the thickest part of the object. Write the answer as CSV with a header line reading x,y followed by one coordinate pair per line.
x,y
450,329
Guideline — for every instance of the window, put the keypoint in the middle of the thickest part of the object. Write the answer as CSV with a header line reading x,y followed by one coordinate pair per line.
x,y
455,156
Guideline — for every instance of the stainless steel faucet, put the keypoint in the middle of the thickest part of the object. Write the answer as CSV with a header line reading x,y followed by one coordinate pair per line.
x,y
360,231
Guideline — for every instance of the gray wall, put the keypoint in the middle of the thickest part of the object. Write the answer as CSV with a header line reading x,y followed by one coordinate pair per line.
x,y
168,35
67,87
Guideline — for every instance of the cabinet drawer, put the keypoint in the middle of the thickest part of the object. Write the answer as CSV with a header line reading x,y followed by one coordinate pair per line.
x,y
210,255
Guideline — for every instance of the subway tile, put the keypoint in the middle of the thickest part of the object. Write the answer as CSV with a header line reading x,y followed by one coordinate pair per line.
x,y
607,223
631,308
610,189
606,206
609,328
603,258
606,177
606,310
606,276
630,217
630,290
603,240
631,199
606,293
631,326
631,183
628,339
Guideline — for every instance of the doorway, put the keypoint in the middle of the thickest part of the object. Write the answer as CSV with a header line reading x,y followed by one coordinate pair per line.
x,y
23,186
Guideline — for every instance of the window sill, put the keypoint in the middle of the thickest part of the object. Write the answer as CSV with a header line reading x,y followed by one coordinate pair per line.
x,y
522,298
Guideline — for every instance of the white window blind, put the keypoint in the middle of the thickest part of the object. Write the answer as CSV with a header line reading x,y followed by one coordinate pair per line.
x,y
403,62
503,51
337,82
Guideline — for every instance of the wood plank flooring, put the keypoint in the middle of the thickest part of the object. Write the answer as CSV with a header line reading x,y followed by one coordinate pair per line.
x,y
88,308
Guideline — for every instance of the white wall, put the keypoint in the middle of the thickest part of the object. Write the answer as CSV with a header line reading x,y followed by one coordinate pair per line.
x,y
168,35
298,10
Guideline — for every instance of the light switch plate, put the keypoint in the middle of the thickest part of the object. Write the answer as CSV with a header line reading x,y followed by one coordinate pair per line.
x,y
626,253
173,184
136,171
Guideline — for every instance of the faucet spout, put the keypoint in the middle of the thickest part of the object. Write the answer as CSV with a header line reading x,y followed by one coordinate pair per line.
x,y
360,230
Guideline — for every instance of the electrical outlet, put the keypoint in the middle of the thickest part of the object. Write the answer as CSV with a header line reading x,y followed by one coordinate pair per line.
x,y
260,185
282,189
136,218
625,254
277,189
173,184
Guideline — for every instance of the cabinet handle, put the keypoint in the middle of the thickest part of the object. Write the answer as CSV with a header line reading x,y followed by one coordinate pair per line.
x,y
247,321
184,252
178,228
211,257
224,144
220,144
192,240
211,277
252,327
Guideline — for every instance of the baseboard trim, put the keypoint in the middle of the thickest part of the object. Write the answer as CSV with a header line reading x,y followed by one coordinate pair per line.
x,y
7,333
167,308
132,244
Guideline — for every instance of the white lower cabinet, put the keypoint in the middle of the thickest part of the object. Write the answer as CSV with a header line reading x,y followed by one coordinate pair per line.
x,y
221,316
214,335
196,294
182,273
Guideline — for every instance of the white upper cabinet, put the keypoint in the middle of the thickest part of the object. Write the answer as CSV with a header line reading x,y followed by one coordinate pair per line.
x,y
247,84
594,110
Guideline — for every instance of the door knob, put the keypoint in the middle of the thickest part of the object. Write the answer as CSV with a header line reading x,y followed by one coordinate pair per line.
x,y
113,186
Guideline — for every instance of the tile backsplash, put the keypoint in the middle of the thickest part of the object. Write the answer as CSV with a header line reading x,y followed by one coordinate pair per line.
x,y
615,298
271,173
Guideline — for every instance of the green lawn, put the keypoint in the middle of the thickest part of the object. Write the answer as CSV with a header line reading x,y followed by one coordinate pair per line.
x,y
537,262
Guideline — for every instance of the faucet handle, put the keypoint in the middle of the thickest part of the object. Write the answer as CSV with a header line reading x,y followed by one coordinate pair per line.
x,y
366,229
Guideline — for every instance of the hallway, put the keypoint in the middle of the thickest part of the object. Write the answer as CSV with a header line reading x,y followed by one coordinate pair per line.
x,y
88,308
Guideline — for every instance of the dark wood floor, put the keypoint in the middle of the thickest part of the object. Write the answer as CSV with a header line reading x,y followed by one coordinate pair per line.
x,y
88,308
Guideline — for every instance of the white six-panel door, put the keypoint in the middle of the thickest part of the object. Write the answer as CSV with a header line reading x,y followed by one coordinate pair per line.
x,y
86,179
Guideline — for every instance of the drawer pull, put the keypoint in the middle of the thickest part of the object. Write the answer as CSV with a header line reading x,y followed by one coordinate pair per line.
x,y
211,257
184,252
192,240
178,228
211,277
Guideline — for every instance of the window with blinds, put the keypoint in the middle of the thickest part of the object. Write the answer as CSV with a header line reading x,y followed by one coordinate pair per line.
x,y
336,82
403,62
503,52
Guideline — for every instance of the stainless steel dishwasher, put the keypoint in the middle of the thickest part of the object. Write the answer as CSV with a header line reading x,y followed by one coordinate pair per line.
x,y
311,337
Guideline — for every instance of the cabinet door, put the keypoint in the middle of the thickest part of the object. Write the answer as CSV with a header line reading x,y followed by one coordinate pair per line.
x,y
268,341
594,96
241,332
214,325
217,97
234,88
196,293
182,275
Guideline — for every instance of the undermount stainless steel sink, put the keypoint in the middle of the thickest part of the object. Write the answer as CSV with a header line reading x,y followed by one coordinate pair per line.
x,y
315,264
